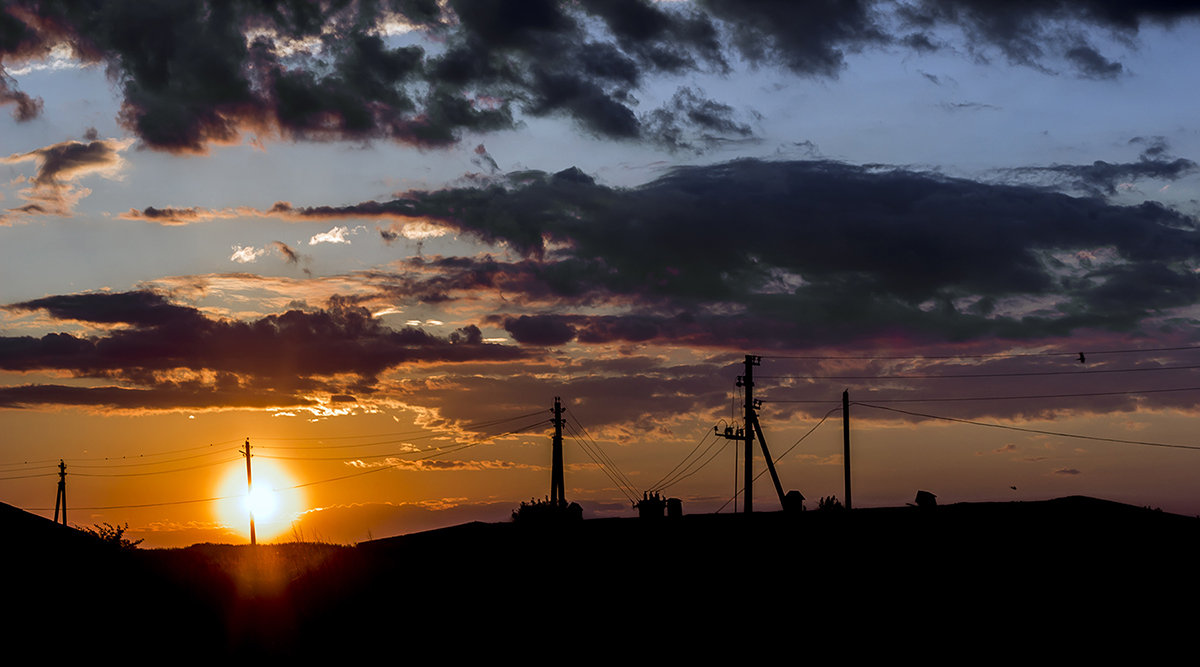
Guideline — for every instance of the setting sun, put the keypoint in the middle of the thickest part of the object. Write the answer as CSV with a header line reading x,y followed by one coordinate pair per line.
x,y
261,502
274,505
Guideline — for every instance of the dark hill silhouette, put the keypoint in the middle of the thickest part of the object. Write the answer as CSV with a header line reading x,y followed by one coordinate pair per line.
x,y
902,578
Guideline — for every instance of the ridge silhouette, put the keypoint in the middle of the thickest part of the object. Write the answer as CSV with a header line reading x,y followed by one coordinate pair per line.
x,y
479,588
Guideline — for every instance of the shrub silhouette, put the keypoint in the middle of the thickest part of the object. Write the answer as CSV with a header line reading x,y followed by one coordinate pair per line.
x,y
110,534
829,503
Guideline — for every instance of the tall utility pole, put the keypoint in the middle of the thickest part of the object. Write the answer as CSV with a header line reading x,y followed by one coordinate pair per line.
x,y
846,442
557,493
748,418
249,492
747,433
61,498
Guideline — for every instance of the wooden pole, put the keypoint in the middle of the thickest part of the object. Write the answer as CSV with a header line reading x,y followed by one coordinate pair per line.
x,y
250,493
61,497
748,416
846,442
557,485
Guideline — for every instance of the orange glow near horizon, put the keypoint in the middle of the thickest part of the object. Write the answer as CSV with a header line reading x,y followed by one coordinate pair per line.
x,y
276,507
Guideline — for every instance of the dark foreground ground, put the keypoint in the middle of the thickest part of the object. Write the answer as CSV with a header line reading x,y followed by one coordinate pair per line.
x,y
972,582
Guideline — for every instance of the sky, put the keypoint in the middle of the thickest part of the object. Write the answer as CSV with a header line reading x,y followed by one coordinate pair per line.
x,y
376,239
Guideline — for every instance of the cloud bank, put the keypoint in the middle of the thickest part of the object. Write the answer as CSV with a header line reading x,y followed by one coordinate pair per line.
x,y
424,73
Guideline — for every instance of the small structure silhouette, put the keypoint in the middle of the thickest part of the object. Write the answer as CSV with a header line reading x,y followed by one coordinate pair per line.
x,y
651,506
793,501
926,500
674,508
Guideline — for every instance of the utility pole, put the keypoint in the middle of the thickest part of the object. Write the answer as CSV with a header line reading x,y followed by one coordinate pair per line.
x,y
747,381
557,493
846,442
61,498
249,492
746,434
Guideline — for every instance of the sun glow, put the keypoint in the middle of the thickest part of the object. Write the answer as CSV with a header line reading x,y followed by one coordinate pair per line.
x,y
273,504
261,502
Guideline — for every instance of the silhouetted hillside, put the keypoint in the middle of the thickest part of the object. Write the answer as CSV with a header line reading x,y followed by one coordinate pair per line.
x,y
953,575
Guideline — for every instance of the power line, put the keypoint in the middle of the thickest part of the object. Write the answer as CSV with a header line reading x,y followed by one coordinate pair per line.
x,y
999,355
154,472
919,376
43,474
679,478
948,399
125,458
629,483
149,463
1031,430
395,437
703,437
288,488
627,491
779,458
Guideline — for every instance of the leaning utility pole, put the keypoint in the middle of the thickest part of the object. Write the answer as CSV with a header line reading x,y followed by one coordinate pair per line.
x,y
557,494
249,492
61,498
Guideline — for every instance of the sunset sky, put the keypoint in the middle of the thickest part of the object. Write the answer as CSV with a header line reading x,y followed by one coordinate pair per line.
x,y
376,237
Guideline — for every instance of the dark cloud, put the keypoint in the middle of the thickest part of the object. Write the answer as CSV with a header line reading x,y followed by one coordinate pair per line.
x,y
25,108
794,254
290,256
52,189
484,160
967,106
1032,31
623,399
191,74
807,37
690,120
1066,471
139,309
170,215
161,397
1104,178
539,329
196,73
286,353
67,160
1092,65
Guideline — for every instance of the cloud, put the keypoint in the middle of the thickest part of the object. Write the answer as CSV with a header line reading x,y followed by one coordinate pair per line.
x,y
1032,34
691,121
413,230
172,350
246,254
824,262
808,38
434,465
334,235
1092,65
539,329
967,106
52,189
214,72
177,216
25,108
1103,178
1066,471
290,256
